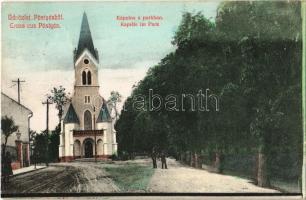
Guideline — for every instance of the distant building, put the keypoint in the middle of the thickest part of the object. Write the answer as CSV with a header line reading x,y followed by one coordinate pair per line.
x,y
87,126
18,147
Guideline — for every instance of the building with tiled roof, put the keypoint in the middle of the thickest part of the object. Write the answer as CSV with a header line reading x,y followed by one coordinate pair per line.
x,y
18,143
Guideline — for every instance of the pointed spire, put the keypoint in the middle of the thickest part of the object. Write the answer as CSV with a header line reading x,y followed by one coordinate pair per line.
x,y
104,115
71,116
85,40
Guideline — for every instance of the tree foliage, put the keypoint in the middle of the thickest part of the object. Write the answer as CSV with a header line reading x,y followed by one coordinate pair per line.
x,y
39,148
8,127
59,97
115,97
250,56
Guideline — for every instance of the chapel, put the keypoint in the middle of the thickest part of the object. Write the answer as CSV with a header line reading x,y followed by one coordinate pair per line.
x,y
87,124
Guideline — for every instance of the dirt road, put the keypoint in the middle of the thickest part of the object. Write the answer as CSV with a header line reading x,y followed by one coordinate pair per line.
x,y
63,178
91,177
180,178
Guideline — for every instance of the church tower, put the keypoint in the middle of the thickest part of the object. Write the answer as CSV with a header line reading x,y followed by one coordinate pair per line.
x,y
88,129
86,86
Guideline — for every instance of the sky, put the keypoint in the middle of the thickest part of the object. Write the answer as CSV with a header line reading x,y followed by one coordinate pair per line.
x,y
44,57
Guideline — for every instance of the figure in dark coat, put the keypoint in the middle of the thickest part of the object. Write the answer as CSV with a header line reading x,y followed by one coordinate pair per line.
x,y
163,160
154,157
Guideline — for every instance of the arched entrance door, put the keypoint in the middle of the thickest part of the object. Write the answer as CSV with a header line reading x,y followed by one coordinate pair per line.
x,y
88,149
87,120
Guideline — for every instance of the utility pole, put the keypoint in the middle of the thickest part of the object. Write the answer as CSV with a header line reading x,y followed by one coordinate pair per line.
x,y
18,81
47,102
304,96
94,109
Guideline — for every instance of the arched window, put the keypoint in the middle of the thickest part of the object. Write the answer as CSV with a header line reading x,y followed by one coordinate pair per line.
x,y
84,78
87,120
89,78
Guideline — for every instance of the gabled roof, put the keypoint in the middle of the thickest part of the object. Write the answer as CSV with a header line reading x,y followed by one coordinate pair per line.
x,y
104,115
13,100
71,116
85,40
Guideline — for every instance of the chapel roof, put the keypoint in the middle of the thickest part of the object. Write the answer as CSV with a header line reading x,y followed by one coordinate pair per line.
x,y
104,115
71,116
85,40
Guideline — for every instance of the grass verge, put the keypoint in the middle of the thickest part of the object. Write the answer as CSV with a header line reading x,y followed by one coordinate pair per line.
x,y
130,177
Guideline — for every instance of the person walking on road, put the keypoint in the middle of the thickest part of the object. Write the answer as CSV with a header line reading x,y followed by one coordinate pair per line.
x,y
154,157
163,160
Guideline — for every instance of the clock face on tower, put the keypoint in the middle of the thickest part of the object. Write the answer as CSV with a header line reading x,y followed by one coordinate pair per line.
x,y
86,61
97,102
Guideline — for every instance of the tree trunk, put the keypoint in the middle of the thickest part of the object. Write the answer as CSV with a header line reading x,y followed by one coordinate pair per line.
x,y
191,159
199,161
187,159
256,169
196,164
4,147
262,174
194,159
217,162
59,122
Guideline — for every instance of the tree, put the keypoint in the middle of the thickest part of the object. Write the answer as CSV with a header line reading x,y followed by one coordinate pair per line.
x,y
125,136
54,139
267,41
33,135
40,148
250,57
114,99
60,98
8,127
